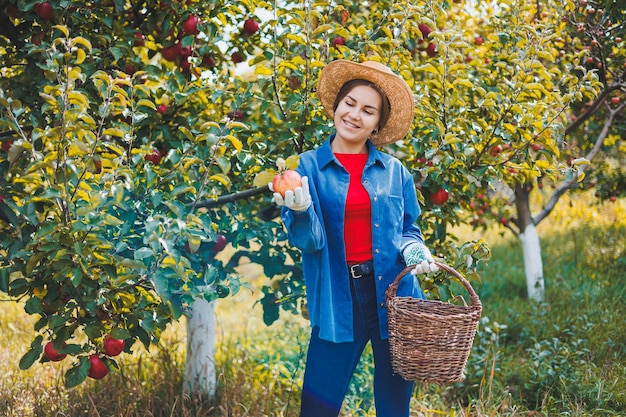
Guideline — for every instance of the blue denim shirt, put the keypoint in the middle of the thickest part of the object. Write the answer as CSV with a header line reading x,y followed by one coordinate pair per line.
x,y
319,234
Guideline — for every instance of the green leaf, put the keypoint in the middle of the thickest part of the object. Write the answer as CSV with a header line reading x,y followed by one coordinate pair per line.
x,y
78,373
33,353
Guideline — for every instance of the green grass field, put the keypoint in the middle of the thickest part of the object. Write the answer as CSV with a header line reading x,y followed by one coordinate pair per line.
x,y
563,357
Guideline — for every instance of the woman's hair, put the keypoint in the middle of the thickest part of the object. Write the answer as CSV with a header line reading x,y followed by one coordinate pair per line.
x,y
385,108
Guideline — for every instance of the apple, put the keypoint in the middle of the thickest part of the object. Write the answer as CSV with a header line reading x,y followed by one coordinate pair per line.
x,y
190,25
439,197
183,51
44,10
294,82
98,369
12,11
496,150
286,180
170,53
219,244
237,57
615,100
431,49
250,26
6,145
139,39
162,108
154,157
112,347
52,354
339,40
537,147
479,41
208,61
236,115
425,29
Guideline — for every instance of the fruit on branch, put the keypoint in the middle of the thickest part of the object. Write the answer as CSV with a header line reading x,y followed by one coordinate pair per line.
x,y
112,347
250,26
97,368
339,40
154,157
44,10
219,244
52,354
190,25
439,197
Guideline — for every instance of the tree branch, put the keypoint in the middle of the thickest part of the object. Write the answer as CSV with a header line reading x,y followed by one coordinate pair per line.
x,y
566,185
229,198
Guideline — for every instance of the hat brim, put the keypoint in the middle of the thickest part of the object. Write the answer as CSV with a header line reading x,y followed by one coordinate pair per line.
x,y
400,96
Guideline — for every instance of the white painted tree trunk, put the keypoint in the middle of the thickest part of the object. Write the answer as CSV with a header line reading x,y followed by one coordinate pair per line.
x,y
200,374
533,265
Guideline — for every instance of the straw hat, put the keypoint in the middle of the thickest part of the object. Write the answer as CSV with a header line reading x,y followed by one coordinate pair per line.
x,y
338,72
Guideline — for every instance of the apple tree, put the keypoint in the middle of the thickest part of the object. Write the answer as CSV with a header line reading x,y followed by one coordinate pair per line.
x,y
138,138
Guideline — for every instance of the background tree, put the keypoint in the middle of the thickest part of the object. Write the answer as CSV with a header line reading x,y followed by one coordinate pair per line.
x,y
138,138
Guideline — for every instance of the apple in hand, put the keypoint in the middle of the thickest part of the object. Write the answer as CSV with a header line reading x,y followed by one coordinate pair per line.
x,y
52,354
113,347
286,180
97,369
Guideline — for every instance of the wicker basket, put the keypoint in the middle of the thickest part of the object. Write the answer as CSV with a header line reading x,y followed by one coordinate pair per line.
x,y
430,340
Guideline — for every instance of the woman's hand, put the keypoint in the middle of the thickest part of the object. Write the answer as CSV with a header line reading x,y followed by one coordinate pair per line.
x,y
298,200
418,254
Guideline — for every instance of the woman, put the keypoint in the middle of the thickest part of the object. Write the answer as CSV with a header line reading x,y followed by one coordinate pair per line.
x,y
354,221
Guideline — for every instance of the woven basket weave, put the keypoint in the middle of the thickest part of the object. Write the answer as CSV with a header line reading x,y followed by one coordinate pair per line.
x,y
430,340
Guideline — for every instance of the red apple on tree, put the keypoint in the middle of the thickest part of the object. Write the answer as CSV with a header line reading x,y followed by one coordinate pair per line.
x,y
52,354
339,40
250,26
496,150
162,108
439,197
170,53
615,100
431,49
139,39
44,10
425,29
219,244
154,157
190,25
112,347
97,369
237,57
6,145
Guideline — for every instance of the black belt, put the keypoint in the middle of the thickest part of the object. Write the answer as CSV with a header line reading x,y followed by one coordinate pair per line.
x,y
357,271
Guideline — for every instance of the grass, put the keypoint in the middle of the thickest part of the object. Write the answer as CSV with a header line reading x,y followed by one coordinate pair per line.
x,y
563,357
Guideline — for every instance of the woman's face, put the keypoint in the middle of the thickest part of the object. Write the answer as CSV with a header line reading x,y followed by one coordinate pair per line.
x,y
357,115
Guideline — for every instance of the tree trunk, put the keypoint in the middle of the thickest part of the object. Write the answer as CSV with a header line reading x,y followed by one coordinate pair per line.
x,y
200,374
533,265
531,248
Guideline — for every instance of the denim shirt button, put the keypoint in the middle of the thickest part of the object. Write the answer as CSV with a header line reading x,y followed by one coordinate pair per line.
x,y
375,224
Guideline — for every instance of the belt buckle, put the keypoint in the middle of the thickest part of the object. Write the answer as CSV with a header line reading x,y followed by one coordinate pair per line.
x,y
352,273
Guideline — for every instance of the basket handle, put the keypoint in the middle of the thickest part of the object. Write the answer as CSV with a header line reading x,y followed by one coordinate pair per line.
x,y
393,287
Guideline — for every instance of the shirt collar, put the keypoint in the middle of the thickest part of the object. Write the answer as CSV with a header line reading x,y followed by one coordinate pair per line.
x,y
325,154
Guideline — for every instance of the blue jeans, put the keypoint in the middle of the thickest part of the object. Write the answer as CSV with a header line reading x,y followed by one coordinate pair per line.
x,y
330,366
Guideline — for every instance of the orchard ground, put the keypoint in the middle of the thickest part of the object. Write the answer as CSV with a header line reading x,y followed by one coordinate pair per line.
x,y
563,357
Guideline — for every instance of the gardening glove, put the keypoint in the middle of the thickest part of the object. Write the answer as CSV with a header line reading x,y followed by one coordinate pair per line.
x,y
418,254
297,200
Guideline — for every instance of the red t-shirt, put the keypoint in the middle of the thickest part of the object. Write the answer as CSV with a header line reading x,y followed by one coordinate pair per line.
x,y
358,217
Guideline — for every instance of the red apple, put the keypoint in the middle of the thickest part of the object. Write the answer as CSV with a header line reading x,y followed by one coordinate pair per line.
x,y
439,197
237,115
12,11
250,26
112,347
154,157
190,25
6,145
98,369
431,49
219,244
208,61
170,53
237,57
44,10
615,100
479,41
139,39
496,150
52,354
425,29
162,108
294,82
537,147
339,40
286,180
